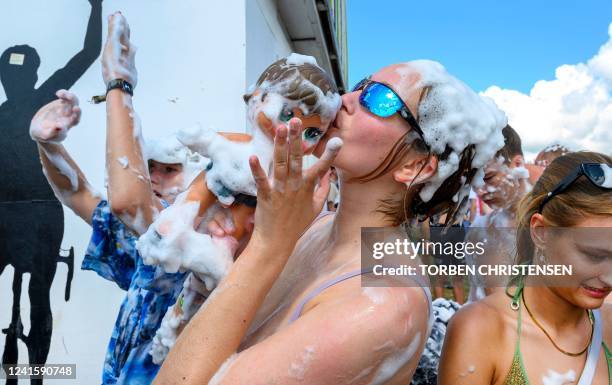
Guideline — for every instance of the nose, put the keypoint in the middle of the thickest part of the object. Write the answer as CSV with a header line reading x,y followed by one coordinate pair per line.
x,y
155,177
350,101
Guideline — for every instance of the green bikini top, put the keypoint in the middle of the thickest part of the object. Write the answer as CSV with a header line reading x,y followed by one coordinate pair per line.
x,y
517,375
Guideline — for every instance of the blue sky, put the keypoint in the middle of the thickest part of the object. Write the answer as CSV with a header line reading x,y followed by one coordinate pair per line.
x,y
511,44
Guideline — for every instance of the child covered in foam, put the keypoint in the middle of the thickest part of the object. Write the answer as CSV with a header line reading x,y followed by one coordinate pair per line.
x,y
292,87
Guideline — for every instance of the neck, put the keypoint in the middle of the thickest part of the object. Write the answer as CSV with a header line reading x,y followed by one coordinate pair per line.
x,y
358,207
553,311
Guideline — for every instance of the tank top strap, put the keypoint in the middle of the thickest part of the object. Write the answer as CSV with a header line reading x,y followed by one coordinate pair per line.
x,y
343,277
608,360
517,375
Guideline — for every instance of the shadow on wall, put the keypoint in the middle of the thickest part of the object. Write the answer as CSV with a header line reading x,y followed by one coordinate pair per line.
x,y
31,217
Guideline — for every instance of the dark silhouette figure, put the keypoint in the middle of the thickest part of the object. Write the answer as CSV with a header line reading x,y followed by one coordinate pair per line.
x,y
31,217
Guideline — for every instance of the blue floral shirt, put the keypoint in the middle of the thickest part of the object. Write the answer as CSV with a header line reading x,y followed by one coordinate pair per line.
x,y
150,292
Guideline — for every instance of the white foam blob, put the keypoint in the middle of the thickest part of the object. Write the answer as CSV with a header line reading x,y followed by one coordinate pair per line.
x,y
471,369
193,294
123,161
297,370
334,144
169,150
519,173
392,364
181,248
230,173
554,378
298,59
165,337
376,294
218,377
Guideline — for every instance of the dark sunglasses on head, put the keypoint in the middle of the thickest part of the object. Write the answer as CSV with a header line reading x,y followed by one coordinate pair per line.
x,y
600,174
381,100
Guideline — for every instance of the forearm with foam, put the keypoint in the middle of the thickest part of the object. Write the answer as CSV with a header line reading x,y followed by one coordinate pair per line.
x,y
129,186
64,175
217,330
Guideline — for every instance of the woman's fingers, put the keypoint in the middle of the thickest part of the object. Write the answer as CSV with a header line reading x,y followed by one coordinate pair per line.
x,y
295,152
68,97
280,166
261,180
321,193
76,116
324,163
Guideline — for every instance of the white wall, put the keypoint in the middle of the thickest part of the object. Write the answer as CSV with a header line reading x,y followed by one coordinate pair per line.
x,y
265,38
191,52
266,42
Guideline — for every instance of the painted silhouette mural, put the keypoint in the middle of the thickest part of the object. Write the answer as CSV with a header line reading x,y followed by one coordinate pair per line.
x,y
31,218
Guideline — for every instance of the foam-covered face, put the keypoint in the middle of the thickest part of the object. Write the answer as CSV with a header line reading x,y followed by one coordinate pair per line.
x,y
503,186
166,180
274,110
365,133
588,249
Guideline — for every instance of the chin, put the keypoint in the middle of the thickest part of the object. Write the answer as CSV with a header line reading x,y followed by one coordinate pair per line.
x,y
587,300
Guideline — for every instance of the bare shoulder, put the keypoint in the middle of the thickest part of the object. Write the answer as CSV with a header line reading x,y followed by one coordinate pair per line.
x,y
392,312
472,343
378,332
484,318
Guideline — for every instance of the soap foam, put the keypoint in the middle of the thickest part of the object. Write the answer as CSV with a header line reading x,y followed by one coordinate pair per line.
x,y
182,248
169,150
392,364
453,116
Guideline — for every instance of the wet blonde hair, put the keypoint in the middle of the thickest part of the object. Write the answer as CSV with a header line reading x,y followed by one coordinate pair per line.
x,y
580,201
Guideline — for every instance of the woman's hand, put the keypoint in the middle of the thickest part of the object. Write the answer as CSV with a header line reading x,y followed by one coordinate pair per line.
x,y
52,122
118,55
288,202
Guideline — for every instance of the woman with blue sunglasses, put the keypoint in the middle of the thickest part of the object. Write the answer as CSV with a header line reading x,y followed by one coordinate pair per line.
x,y
292,310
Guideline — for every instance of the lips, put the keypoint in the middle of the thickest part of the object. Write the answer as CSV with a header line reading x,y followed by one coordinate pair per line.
x,y
596,292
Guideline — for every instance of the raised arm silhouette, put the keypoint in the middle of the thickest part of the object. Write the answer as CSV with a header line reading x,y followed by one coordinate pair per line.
x,y
31,218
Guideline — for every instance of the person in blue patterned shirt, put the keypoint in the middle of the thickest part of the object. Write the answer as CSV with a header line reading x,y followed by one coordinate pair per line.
x,y
111,252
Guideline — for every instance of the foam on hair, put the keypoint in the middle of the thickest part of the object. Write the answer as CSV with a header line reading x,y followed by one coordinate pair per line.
x,y
302,83
169,150
461,127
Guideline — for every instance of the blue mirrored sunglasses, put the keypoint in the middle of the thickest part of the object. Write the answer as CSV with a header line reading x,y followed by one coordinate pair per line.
x,y
381,100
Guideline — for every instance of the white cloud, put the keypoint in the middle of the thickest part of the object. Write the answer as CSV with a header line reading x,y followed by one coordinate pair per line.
x,y
574,109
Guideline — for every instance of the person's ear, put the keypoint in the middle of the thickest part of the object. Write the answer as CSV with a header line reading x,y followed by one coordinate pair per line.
x,y
537,230
416,169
